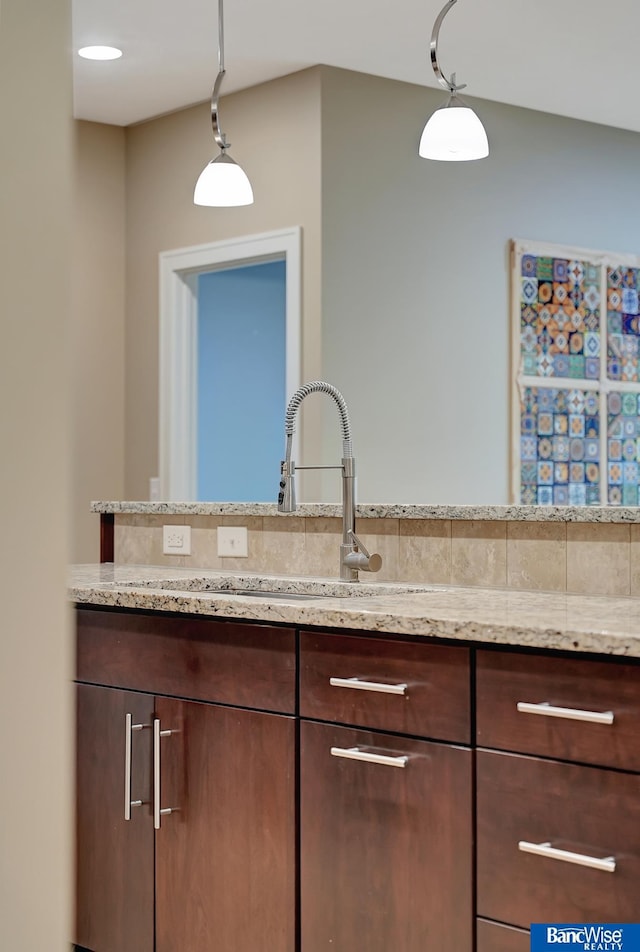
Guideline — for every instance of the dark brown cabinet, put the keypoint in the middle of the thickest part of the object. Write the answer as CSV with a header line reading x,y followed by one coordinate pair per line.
x,y
556,842
225,860
317,791
557,828
495,937
114,868
386,819
385,842
207,859
564,708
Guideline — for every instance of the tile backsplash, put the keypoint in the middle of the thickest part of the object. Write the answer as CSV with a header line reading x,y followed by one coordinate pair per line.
x,y
590,559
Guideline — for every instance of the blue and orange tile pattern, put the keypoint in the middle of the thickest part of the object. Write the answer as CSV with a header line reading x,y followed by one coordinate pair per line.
x,y
559,447
563,335
560,318
622,324
623,448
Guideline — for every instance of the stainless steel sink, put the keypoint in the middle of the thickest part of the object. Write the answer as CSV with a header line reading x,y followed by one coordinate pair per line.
x,y
283,588
264,593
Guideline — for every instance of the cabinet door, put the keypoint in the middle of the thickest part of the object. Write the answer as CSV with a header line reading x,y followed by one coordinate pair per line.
x,y
225,858
114,866
386,851
497,937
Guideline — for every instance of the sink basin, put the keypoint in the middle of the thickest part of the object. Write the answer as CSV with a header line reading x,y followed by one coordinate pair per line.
x,y
264,593
282,588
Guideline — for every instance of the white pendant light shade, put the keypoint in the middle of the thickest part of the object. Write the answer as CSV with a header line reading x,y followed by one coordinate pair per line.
x,y
454,135
223,183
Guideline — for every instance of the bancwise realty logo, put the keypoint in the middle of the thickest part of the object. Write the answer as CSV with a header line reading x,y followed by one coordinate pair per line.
x,y
594,937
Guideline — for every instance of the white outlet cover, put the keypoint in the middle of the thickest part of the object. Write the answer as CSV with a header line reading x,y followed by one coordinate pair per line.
x,y
176,540
233,542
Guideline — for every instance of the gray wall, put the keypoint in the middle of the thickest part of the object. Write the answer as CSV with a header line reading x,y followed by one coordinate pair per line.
x,y
415,278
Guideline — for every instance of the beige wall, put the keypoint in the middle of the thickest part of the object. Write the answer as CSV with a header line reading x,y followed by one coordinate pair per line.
x,y
35,649
275,134
98,329
586,559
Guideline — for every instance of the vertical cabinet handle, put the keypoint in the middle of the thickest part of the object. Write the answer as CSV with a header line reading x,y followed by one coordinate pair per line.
x,y
158,812
130,727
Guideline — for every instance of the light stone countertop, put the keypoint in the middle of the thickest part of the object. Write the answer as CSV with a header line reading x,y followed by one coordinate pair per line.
x,y
582,623
608,514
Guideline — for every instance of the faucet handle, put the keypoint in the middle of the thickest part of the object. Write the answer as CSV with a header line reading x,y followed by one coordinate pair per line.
x,y
359,543
363,559
287,493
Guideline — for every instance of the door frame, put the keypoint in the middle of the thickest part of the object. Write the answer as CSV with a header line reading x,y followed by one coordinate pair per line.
x,y
179,271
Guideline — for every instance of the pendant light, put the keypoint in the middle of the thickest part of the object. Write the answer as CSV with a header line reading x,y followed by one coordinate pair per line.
x,y
222,182
453,133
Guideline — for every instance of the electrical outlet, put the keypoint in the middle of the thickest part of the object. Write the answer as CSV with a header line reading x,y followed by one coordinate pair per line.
x,y
176,540
232,542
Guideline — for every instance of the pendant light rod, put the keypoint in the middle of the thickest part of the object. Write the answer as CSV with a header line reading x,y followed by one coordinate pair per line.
x,y
449,84
218,134
220,37
454,133
222,183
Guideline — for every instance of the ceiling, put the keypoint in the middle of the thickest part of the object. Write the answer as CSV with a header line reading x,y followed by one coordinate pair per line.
x,y
575,58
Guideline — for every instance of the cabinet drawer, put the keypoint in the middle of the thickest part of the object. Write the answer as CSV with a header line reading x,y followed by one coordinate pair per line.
x,y
495,937
579,688
430,685
386,842
199,658
586,811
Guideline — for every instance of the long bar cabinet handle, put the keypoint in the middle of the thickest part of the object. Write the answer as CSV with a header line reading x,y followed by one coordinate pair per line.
x,y
573,714
606,865
158,812
360,685
130,727
354,753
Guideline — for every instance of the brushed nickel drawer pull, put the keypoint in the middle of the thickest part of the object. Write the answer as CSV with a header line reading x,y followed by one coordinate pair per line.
x,y
360,685
594,717
607,865
354,753
129,728
158,812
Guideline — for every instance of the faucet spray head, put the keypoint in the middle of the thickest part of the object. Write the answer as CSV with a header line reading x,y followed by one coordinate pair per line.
x,y
287,493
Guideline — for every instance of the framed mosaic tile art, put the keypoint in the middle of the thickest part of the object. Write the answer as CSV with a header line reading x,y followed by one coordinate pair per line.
x,y
576,373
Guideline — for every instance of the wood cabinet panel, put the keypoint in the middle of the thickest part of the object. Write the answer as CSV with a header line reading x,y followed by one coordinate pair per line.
x,y
248,665
114,857
505,678
496,937
386,852
437,699
585,810
225,861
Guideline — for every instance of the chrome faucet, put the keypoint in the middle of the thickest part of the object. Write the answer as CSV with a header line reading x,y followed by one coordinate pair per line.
x,y
353,555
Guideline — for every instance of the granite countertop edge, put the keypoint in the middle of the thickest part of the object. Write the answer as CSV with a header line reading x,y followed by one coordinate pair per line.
x,y
588,514
593,624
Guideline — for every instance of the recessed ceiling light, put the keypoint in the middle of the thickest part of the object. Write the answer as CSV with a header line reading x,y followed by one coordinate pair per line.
x,y
100,52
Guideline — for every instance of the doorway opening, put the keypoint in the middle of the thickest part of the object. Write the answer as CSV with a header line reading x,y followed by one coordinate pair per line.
x,y
229,358
241,382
